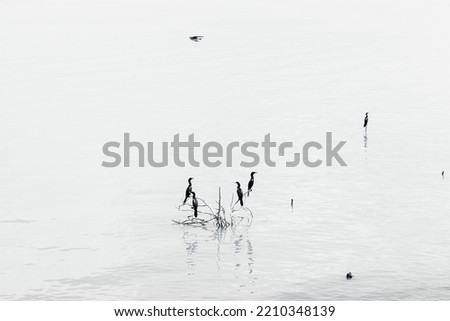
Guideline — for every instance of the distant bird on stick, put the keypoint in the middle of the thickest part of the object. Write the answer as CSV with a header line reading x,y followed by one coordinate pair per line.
x,y
196,38
251,182
240,194
188,190
194,204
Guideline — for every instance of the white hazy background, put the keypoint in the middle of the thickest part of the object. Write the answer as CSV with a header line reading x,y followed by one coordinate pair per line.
x,y
77,74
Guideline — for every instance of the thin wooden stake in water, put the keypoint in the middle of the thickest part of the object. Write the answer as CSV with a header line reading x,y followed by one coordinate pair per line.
x,y
292,204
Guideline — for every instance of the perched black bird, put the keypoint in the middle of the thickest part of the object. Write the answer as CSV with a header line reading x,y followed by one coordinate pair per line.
x,y
188,190
239,193
196,38
194,204
251,182
349,276
366,120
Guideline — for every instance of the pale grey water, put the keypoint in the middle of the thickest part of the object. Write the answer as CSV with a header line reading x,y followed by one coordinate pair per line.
x,y
75,75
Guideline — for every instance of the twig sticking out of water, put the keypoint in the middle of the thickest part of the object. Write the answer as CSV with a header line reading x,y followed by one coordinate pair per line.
x,y
221,221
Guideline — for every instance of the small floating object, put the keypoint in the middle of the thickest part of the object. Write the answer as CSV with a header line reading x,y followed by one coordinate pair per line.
x,y
292,203
196,38
443,174
349,276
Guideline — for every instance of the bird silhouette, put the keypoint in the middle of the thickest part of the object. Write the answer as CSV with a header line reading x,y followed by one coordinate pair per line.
x,y
366,120
196,38
188,190
194,204
240,194
251,182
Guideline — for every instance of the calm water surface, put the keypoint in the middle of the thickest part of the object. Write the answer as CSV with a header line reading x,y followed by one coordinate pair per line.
x,y
78,74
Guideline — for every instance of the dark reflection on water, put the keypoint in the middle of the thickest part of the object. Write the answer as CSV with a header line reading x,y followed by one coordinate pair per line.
x,y
191,242
232,248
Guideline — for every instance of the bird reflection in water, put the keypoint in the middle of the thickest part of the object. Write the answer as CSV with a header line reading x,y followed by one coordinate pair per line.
x,y
191,242
366,138
243,257
233,250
